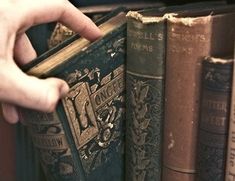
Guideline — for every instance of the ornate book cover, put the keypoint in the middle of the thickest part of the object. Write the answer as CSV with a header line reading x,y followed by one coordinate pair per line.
x,y
59,34
190,38
84,138
144,87
214,118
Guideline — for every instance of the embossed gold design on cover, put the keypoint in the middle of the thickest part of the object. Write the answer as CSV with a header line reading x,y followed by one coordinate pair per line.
x,y
94,113
80,114
140,124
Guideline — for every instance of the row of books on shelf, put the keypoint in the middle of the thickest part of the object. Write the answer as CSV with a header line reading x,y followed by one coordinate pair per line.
x,y
176,124
150,100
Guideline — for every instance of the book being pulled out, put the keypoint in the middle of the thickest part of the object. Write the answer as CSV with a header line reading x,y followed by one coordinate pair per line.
x,y
83,138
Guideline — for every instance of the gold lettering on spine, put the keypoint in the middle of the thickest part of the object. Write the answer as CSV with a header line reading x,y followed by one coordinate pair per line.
x,y
50,142
216,105
215,120
186,37
144,39
143,35
107,92
40,118
142,47
48,136
214,112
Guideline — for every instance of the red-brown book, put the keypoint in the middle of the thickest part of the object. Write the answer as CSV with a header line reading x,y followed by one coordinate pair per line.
x,y
190,38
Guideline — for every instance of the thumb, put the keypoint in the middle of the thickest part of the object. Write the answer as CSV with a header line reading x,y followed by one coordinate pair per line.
x,y
44,94
28,91
10,112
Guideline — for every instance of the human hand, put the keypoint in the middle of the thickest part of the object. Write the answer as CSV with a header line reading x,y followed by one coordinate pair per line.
x,y
17,88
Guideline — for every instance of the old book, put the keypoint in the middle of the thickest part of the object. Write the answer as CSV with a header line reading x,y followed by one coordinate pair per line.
x,y
144,88
190,38
83,138
214,118
146,49
230,161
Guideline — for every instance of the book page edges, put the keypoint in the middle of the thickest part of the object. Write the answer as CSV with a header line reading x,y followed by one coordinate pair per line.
x,y
75,47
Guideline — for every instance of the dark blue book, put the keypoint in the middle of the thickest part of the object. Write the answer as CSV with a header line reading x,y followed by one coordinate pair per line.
x,y
83,138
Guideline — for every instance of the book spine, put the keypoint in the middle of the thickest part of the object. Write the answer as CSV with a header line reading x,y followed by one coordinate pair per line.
x,y
230,161
144,99
188,41
214,116
186,44
48,136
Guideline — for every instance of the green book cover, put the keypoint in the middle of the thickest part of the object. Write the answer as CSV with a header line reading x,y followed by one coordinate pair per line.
x,y
144,87
83,138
